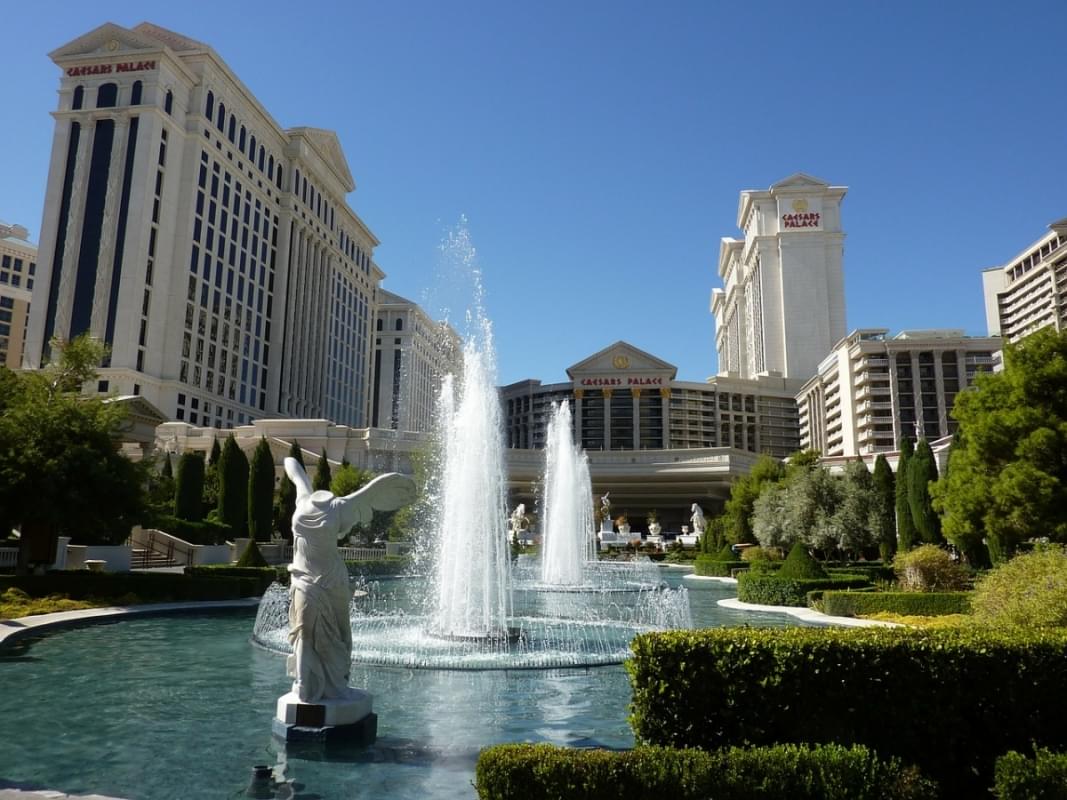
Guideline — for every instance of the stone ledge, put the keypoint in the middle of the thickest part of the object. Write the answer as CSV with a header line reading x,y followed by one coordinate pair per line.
x,y
808,615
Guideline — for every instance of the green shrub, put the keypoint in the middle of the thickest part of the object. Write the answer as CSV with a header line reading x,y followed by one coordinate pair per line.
x,y
800,564
546,772
873,570
774,590
162,587
930,569
726,554
251,557
948,700
389,565
1030,590
712,567
263,575
1043,777
915,604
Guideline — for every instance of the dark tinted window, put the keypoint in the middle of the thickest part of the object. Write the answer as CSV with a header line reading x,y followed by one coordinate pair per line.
x,y
135,94
79,98
107,95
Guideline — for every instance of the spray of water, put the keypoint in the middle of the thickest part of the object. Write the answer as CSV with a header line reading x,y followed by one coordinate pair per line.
x,y
568,537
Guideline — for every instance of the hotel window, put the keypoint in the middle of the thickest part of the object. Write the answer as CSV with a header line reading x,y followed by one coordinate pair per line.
x,y
107,95
78,99
135,94
168,102
209,106
220,119
232,134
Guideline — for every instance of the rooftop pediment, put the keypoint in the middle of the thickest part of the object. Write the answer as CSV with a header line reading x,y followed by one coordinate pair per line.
x,y
328,147
106,40
799,180
623,360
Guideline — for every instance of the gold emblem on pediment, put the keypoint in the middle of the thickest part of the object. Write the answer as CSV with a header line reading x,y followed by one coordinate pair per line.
x,y
800,205
620,362
113,45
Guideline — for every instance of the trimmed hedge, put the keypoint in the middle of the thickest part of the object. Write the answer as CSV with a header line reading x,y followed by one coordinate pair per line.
x,y
148,587
830,772
264,575
711,567
950,701
390,565
1043,777
770,590
203,532
872,571
919,604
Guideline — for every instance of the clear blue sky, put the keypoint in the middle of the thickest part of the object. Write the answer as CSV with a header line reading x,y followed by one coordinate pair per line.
x,y
598,148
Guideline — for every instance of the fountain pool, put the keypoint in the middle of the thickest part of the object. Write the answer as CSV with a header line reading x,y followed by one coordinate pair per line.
x,y
174,707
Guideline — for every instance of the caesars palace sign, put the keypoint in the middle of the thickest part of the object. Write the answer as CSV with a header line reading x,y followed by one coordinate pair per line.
x,y
108,69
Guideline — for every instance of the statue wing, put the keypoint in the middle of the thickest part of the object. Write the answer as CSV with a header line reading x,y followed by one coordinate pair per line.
x,y
385,493
298,476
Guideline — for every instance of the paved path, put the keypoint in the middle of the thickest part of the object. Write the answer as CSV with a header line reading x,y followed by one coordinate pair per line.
x,y
11,629
809,615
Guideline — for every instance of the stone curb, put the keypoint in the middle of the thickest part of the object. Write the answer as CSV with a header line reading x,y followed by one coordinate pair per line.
x,y
47,794
12,629
710,579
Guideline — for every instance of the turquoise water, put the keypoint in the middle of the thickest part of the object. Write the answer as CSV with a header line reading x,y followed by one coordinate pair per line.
x,y
174,707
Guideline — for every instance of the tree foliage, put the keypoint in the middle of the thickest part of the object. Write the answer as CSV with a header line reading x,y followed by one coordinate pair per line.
x,y
743,494
61,471
211,476
907,536
189,487
323,476
233,487
883,513
261,492
1007,480
852,519
285,504
922,471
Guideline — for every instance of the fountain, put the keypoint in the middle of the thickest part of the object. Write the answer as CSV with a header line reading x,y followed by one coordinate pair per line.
x,y
478,612
568,538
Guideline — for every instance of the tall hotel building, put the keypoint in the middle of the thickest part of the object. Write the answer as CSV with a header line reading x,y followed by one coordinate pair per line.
x,y
1030,291
782,307
18,268
210,248
873,389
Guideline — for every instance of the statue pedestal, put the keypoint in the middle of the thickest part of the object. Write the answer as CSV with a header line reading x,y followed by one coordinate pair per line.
x,y
344,719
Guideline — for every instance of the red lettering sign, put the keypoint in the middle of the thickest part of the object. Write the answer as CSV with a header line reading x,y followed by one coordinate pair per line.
x,y
630,381
809,219
107,69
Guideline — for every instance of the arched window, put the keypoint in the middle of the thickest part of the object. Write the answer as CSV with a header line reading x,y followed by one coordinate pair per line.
x,y
380,325
220,120
107,95
135,94
278,176
233,129
79,98
270,167
241,139
168,102
252,148
209,106
261,152
400,324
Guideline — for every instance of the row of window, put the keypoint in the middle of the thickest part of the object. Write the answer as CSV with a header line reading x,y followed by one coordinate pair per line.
x,y
107,96
13,274
242,140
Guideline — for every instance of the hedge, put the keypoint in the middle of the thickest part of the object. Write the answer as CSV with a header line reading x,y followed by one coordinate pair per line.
x,y
920,604
949,701
148,587
872,571
770,590
711,567
1043,777
264,575
830,772
390,565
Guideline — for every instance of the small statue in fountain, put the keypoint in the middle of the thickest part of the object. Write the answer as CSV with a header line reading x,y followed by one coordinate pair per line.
x,y
697,519
319,627
605,505
519,521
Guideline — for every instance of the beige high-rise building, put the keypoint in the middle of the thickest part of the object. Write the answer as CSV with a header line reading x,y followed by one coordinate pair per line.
x,y
782,307
872,389
412,353
1030,291
18,268
213,250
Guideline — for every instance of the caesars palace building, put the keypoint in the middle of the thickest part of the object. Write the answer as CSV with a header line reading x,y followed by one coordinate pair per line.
x,y
211,249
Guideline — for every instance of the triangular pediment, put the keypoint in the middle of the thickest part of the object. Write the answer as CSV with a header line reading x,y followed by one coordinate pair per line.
x,y
175,41
799,180
106,40
624,360
328,147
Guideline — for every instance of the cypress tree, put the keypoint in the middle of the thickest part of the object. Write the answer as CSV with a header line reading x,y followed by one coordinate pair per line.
x,y
907,536
211,476
233,487
168,470
189,487
922,471
261,492
323,477
251,557
883,515
285,507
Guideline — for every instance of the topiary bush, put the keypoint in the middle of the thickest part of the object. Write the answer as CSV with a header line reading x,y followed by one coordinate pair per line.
x,y
800,564
251,557
949,701
1029,591
830,772
917,604
1043,777
712,567
930,569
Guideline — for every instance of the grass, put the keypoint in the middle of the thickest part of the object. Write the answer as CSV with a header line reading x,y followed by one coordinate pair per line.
x,y
15,603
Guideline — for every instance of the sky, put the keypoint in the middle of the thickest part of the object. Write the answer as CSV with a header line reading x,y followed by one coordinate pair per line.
x,y
597,149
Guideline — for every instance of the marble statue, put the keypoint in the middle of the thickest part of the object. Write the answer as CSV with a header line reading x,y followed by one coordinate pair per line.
x,y
697,519
319,627
605,505
518,519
